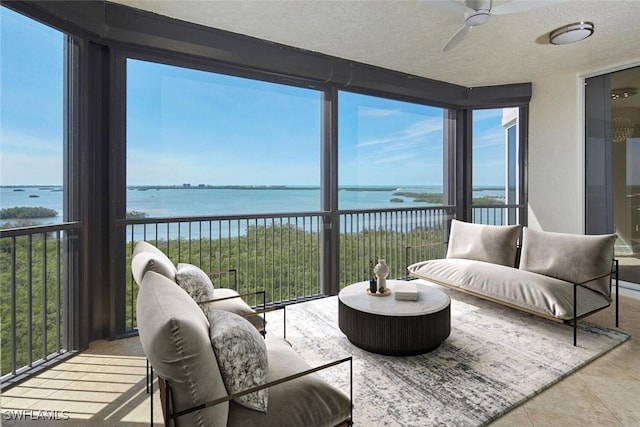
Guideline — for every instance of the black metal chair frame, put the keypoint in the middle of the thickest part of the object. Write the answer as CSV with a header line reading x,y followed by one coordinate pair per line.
x,y
149,385
263,311
166,393
574,322
170,415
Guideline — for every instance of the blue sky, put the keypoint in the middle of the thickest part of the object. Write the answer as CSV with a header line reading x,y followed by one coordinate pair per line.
x,y
199,127
31,106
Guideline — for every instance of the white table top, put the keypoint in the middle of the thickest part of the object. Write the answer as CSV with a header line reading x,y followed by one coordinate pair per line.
x,y
430,300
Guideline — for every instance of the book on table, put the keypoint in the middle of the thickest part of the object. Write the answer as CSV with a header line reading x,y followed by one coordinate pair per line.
x,y
406,291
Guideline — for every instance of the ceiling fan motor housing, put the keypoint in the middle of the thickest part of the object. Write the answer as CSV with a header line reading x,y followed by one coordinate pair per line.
x,y
477,18
481,12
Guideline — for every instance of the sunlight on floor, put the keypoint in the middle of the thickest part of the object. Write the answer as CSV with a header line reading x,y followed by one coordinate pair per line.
x,y
97,388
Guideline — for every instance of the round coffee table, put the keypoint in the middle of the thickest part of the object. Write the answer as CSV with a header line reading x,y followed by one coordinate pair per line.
x,y
380,324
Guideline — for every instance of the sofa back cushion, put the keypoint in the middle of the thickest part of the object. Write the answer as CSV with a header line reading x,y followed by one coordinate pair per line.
x,y
570,257
496,244
147,257
174,334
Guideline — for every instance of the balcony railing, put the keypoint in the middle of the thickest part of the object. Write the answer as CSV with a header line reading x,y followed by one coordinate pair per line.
x,y
35,295
275,253
496,214
281,254
399,236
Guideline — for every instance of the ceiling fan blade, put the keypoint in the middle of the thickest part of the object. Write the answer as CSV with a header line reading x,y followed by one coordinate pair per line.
x,y
456,38
450,5
516,6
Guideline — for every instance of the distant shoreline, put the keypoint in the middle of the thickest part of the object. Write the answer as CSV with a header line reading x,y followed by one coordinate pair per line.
x,y
257,187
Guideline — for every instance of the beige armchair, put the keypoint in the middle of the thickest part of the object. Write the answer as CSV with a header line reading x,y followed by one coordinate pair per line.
x,y
194,377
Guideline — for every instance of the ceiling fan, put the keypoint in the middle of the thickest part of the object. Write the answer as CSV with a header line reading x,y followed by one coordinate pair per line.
x,y
478,12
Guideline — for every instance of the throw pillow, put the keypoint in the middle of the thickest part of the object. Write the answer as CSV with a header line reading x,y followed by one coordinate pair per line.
x,y
496,244
242,357
195,282
237,306
570,257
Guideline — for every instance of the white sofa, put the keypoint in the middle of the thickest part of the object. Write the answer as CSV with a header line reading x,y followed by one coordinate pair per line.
x,y
563,277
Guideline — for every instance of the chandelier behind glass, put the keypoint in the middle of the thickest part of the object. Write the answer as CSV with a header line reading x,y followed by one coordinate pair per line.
x,y
621,129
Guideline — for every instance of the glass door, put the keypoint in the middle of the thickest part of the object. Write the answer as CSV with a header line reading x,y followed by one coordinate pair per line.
x,y
625,159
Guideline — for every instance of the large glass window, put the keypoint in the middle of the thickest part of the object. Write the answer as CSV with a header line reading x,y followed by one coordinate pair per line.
x,y
201,143
390,153
495,168
34,281
31,121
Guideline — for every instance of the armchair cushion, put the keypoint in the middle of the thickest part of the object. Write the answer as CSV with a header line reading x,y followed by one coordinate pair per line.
x,y
497,244
306,401
174,334
242,357
570,257
147,257
195,282
237,306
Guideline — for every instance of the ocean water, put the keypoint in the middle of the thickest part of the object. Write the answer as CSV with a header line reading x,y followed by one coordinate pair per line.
x,y
186,202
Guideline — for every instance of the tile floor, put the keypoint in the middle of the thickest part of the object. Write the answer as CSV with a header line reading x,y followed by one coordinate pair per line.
x,y
105,386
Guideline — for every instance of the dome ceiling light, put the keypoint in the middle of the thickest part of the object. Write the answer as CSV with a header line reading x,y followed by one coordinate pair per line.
x,y
571,33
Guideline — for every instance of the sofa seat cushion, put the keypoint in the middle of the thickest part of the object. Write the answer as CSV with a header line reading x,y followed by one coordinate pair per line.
x,y
175,338
306,401
530,291
496,244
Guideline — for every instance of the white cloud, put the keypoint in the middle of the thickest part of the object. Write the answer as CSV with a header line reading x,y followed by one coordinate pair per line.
x,y
491,138
416,130
377,112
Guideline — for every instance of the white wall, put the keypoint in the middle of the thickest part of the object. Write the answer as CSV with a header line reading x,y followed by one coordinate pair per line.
x,y
556,155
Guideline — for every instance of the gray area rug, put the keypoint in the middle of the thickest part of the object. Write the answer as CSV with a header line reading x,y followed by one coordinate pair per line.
x,y
494,359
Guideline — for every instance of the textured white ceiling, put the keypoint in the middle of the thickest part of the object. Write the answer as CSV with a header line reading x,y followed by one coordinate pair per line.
x,y
408,36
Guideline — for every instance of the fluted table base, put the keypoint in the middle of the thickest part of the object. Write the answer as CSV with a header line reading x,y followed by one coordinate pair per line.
x,y
395,328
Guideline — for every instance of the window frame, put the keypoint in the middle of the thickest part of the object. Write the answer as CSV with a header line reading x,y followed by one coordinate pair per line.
x,y
106,33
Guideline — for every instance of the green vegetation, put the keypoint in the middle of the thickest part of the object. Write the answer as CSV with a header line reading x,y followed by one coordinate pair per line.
x,y
487,200
30,256
283,260
23,212
136,215
396,200
291,256
436,198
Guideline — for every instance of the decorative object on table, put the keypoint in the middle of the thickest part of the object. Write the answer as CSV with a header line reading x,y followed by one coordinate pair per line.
x,y
406,291
386,293
373,286
381,270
